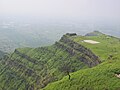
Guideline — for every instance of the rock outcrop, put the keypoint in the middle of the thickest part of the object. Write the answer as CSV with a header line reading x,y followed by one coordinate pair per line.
x,y
88,57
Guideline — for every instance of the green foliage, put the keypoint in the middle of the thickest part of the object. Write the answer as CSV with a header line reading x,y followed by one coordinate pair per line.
x,y
101,77
35,68
108,45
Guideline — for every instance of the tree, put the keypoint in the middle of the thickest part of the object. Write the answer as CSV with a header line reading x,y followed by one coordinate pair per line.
x,y
66,68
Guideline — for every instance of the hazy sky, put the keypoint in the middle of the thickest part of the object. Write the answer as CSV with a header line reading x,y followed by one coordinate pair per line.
x,y
89,9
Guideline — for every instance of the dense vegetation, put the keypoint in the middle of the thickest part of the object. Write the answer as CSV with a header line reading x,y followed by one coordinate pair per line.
x,y
35,68
101,77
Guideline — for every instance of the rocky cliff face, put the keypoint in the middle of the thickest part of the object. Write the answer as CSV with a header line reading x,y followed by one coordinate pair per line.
x,y
88,57
32,69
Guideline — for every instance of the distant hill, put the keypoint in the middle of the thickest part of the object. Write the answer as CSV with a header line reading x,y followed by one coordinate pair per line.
x,y
94,33
71,56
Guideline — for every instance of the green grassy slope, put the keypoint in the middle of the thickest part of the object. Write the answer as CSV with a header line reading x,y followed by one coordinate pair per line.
x,y
34,68
101,77
109,46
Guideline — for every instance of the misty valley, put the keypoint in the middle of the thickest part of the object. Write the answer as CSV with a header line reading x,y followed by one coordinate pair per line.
x,y
15,33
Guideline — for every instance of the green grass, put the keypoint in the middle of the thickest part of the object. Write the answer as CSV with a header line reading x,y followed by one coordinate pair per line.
x,y
108,45
29,68
101,77
49,60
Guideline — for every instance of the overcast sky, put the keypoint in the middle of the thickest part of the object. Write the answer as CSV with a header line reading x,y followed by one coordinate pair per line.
x,y
90,9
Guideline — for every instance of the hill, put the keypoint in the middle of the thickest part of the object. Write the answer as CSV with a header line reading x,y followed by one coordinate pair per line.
x,y
107,47
34,68
101,77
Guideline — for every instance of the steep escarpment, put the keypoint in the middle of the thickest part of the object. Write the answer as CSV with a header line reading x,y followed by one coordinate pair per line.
x,y
88,57
105,76
34,68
